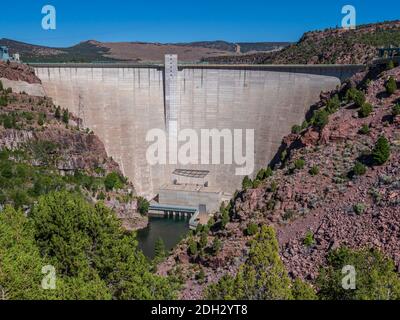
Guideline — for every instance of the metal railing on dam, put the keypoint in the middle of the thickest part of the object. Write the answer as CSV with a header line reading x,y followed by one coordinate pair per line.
x,y
178,210
341,71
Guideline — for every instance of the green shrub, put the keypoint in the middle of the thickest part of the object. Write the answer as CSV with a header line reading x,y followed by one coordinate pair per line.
x,y
264,174
200,277
262,277
381,152
314,170
365,129
65,117
143,205
359,169
28,116
273,187
396,110
296,129
359,208
217,245
3,101
376,276
192,247
299,164
251,229
20,198
203,239
4,154
256,184
391,86
113,181
159,250
41,119
357,96
10,121
6,171
283,155
57,113
302,291
365,110
247,183
333,104
309,239
88,240
101,196
211,222
225,218
321,118
390,65
288,215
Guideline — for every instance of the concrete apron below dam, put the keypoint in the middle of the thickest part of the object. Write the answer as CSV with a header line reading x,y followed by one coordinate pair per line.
x,y
121,103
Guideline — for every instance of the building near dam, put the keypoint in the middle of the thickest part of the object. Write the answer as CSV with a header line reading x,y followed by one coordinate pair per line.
x,y
123,103
5,55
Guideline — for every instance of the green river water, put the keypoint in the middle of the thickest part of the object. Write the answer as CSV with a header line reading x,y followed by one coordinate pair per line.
x,y
170,230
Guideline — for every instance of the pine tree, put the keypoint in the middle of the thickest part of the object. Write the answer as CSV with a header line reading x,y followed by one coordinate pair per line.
x,y
87,242
65,116
192,247
57,113
225,218
262,277
159,250
216,246
203,240
376,276
381,152
247,183
391,86
321,118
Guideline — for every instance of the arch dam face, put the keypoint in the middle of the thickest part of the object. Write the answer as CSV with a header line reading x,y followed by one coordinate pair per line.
x,y
121,103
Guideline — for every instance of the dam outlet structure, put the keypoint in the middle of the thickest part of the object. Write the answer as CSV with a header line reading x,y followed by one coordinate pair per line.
x,y
121,103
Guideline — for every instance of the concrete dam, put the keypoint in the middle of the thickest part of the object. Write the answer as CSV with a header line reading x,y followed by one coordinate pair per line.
x,y
121,103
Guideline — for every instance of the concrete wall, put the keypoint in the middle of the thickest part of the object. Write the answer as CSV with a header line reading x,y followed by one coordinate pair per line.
x,y
122,103
33,89
189,197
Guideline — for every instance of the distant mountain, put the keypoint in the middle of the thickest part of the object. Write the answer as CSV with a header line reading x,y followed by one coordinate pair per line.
x,y
331,46
88,51
94,51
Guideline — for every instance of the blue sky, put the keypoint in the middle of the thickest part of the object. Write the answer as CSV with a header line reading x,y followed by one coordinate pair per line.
x,y
182,21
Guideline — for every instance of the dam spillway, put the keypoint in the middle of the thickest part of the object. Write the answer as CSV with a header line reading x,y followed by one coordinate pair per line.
x,y
121,103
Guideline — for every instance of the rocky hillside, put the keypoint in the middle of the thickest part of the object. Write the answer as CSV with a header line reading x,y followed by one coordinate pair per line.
x,y
43,149
18,72
332,46
335,183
